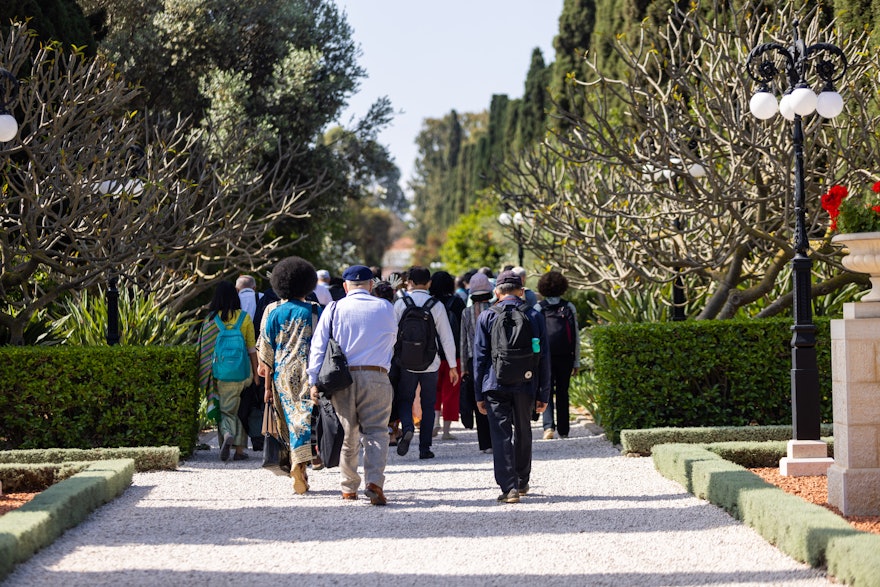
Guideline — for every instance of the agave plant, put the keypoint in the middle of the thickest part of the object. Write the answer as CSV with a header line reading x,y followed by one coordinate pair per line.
x,y
82,321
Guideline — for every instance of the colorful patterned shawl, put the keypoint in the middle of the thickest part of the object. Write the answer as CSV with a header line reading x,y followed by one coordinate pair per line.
x,y
207,383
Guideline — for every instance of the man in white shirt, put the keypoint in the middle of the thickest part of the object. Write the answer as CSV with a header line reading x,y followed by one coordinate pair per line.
x,y
365,329
418,281
322,289
247,295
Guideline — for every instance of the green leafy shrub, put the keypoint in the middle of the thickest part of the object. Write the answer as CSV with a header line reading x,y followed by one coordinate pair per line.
x,y
82,321
700,373
88,397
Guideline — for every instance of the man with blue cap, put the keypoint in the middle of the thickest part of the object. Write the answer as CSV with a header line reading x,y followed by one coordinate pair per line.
x,y
365,328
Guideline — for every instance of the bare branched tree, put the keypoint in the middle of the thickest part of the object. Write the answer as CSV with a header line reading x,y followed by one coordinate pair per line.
x,y
669,172
91,188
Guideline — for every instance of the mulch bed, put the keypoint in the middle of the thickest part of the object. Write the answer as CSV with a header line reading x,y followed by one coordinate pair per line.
x,y
815,490
11,501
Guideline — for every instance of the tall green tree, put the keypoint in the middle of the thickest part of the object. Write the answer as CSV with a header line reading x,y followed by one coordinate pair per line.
x,y
532,120
58,20
576,24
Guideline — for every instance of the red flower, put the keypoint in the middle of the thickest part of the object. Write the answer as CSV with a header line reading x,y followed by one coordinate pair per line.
x,y
876,208
876,187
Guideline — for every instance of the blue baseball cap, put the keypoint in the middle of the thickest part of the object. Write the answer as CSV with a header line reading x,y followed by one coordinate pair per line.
x,y
357,273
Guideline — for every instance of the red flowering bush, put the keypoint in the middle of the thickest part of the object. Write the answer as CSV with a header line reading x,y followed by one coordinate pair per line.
x,y
856,214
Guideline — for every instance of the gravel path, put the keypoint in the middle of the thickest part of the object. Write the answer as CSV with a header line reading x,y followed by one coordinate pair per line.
x,y
592,518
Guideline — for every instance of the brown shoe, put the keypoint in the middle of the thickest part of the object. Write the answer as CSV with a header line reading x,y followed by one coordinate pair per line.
x,y
300,479
374,492
349,496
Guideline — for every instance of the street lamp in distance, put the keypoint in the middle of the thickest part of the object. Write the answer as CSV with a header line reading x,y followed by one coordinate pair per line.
x,y
8,93
516,221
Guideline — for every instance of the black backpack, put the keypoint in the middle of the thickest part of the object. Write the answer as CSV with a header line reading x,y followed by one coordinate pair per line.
x,y
560,328
416,335
513,356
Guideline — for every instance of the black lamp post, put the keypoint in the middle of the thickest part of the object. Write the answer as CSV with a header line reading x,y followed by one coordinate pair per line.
x,y
799,100
133,186
517,220
8,93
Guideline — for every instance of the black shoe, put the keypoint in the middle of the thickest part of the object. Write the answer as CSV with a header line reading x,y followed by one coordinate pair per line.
x,y
240,456
524,488
426,455
257,443
403,442
511,496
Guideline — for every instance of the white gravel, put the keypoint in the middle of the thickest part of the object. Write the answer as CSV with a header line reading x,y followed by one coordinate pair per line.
x,y
592,518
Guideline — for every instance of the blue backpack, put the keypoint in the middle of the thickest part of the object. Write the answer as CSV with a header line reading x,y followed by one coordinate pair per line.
x,y
230,361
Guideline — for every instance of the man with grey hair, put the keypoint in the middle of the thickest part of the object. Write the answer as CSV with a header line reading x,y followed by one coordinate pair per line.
x,y
365,328
530,297
247,294
322,289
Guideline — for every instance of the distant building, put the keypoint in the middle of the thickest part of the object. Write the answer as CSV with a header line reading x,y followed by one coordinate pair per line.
x,y
399,256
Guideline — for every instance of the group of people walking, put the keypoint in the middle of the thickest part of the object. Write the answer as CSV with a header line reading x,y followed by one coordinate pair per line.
x,y
487,353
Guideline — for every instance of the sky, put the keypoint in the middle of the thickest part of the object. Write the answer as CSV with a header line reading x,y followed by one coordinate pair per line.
x,y
431,57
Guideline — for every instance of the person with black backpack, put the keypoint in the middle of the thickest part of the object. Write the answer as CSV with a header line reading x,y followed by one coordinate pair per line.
x,y
560,316
422,322
511,379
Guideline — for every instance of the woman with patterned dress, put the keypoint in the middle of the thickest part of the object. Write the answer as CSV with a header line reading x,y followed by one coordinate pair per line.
x,y
283,348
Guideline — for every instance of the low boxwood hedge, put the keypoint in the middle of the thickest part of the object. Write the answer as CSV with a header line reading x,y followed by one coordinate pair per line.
x,y
642,441
700,373
88,397
64,505
805,531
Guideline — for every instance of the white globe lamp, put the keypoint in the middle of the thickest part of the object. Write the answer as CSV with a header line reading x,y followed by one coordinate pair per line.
x,y
829,104
8,128
763,105
804,101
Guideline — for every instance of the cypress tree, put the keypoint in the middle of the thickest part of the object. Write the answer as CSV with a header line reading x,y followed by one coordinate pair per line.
x,y
576,24
533,108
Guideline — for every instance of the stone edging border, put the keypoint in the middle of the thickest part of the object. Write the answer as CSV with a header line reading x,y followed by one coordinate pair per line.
x,y
39,522
804,531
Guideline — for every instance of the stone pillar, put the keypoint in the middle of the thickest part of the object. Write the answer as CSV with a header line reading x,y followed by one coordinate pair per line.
x,y
854,478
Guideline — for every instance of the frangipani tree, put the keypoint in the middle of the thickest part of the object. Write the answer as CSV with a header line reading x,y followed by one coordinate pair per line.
x,y
669,171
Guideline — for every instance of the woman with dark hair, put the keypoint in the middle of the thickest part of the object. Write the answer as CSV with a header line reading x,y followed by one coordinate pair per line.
x,y
443,288
560,315
224,396
285,338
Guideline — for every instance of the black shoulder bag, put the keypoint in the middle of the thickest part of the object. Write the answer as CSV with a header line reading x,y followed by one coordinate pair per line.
x,y
334,374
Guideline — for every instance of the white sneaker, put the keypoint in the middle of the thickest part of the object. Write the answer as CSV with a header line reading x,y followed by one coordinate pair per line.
x,y
548,434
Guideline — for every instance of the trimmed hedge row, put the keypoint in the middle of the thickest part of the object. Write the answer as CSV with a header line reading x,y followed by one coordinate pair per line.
x,y
642,441
64,505
87,397
700,373
20,477
148,458
805,531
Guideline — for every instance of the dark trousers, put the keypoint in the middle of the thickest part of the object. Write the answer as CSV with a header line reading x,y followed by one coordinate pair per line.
x,y
560,378
510,426
470,413
406,392
250,412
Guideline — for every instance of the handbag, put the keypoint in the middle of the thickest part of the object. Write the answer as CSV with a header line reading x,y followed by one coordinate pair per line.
x,y
270,424
334,374
330,433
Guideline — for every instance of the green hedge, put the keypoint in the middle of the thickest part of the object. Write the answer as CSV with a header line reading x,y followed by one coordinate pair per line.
x,y
64,505
804,531
700,373
642,441
148,458
88,397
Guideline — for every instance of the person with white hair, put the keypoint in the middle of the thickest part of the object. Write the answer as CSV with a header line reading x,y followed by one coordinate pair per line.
x,y
247,294
322,289
529,296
